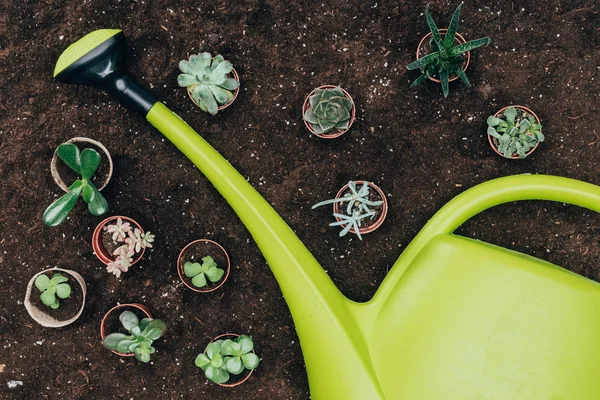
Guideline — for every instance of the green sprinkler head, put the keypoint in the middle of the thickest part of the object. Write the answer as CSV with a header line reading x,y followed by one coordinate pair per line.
x,y
99,59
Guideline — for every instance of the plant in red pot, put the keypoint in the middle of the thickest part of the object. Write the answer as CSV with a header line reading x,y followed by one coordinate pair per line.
x,y
514,132
328,111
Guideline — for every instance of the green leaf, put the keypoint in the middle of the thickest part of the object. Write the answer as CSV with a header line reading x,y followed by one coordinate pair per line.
x,y
98,206
55,305
112,341
63,290
90,161
218,59
185,67
185,80
142,355
199,280
510,113
223,68
449,38
214,274
492,132
204,94
124,345
213,349
419,80
58,211
423,61
191,269
202,361
310,116
154,329
463,77
216,375
493,121
129,320
144,323
250,360
473,44
432,26
221,95
69,153
200,61
88,193
58,278
230,84
234,365
246,344
444,81
42,282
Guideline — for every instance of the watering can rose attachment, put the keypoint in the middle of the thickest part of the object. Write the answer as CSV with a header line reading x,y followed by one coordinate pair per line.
x,y
454,319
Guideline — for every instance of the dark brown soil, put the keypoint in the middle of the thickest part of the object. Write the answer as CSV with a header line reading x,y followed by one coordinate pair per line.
x,y
109,244
69,307
420,148
199,250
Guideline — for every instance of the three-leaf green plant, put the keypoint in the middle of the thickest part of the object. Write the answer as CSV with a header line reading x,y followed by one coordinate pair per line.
x,y
199,272
143,334
207,80
84,163
52,288
515,132
225,357
446,58
329,109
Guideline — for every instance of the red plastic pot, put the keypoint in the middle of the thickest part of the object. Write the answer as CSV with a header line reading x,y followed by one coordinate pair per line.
x,y
495,147
229,336
378,221
235,93
458,38
180,262
103,333
335,134
102,254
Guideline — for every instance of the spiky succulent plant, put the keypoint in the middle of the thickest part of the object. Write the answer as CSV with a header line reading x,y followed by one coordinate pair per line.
x,y
515,132
52,288
143,334
225,357
84,163
207,80
328,109
446,58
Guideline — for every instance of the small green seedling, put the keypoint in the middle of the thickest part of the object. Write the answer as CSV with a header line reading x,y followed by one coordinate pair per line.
x,y
207,80
329,109
143,334
356,210
200,272
52,288
516,132
446,58
85,163
225,357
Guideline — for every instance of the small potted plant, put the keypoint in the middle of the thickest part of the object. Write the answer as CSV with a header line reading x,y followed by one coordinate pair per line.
x,y
365,206
328,111
84,163
203,265
441,53
140,333
228,360
120,242
58,298
209,81
514,132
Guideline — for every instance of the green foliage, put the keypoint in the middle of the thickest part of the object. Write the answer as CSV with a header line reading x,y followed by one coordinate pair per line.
x,y
143,334
356,210
85,163
52,288
207,80
329,109
515,132
225,357
199,272
446,58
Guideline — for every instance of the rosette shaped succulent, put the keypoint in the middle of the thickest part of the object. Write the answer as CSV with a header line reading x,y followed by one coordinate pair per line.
x,y
329,109
207,80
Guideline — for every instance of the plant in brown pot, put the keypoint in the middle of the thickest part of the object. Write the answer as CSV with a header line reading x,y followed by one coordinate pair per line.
x,y
514,132
203,265
364,212
328,111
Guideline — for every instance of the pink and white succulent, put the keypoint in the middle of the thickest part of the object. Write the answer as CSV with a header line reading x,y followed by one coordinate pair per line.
x,y
133,239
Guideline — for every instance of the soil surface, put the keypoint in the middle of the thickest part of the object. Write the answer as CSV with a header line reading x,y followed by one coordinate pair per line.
x,y
199,250
69,307
420,148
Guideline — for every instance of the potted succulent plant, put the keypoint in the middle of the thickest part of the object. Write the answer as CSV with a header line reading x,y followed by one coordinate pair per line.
x,y
228,360
203,265
55,297
365,210
441,53
514,132
120,242
209,81
141,333
84,163
328,111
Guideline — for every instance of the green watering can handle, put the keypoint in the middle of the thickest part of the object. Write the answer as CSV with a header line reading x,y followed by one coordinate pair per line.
x,y
487,195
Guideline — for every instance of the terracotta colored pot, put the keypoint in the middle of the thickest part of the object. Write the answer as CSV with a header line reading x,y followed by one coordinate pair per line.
x,y
103,333
235,92
458,38
335,133
98,247
180,263
378,221
490,138
75,140
43,318
227,336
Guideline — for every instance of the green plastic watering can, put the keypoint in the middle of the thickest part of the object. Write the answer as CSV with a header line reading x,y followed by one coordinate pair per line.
x,y
455,319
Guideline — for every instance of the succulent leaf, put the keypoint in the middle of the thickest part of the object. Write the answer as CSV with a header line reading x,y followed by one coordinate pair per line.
x,y
98,205
90,161
63,290
327,110
58,211
69,153
42,282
